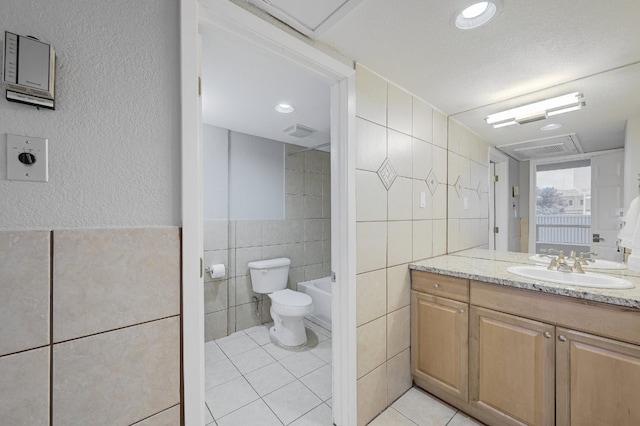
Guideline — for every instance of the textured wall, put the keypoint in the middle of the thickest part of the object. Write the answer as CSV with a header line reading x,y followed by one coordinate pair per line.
x,y
114,139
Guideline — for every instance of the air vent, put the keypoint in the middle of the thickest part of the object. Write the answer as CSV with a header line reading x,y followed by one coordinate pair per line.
x,y
543,148
299,131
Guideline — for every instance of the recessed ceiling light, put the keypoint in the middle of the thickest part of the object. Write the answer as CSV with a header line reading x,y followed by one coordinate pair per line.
x,y
284,108
476,14
552,126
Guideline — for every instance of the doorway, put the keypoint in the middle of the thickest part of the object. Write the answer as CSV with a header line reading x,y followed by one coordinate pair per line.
x,y
231,18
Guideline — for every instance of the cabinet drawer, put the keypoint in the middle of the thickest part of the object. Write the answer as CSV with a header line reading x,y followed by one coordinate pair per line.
x,y
440,285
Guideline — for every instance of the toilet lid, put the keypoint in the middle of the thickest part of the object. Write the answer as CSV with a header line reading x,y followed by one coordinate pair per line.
x,y
290,298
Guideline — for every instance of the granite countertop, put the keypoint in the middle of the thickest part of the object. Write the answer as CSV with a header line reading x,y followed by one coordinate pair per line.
x,y
491,266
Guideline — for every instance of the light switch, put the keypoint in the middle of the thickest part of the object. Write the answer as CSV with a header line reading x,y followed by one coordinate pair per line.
x,y
423,200
27,158
466,203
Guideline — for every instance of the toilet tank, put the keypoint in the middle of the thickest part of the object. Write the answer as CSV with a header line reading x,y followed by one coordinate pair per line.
x,y
269,275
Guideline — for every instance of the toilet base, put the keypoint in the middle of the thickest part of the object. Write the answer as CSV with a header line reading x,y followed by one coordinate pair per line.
x,y
288,331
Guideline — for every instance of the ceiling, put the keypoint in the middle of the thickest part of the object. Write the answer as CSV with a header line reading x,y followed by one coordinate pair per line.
x,y
532,50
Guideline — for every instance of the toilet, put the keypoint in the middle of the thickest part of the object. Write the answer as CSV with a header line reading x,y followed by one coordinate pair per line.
x,y
288,307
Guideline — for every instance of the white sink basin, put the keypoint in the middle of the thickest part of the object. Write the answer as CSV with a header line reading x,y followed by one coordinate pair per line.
x,y
588,279
598,264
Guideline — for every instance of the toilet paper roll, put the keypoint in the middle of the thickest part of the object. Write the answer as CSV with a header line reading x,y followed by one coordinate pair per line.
x,y
217,271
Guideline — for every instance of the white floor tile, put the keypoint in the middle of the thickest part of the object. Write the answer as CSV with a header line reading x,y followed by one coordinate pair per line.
x,y
323,350
461,419
269,378
208,418
391,417
251,360
319,331
319,381
236,344
213,353
256,413
277,352
292,401
302,363
423,409
319,416
230,396
219,372
260,334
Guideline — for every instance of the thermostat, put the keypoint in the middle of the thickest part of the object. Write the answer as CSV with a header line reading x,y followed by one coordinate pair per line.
x,y
29,70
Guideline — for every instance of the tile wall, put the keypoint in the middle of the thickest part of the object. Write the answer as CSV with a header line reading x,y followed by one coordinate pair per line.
x,y
304,236
468,212
402,187
90,326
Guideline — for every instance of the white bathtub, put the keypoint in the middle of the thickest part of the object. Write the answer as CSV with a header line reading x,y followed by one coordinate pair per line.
x,y
320,292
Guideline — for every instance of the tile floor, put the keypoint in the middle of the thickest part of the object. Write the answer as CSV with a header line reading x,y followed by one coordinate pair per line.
x,y
251,381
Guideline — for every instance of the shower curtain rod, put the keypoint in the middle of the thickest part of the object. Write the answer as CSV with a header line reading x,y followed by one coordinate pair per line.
x,y
309,149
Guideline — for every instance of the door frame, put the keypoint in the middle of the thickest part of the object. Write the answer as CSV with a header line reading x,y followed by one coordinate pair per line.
x,y
533,165
234,19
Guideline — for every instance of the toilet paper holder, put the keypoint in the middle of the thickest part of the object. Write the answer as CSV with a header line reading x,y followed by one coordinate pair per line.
x,y
216,271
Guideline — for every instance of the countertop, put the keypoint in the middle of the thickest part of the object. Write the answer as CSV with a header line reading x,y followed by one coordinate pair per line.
x,y
491,266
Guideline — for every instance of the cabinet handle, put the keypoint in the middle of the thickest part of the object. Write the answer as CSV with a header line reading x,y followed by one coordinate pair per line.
x,y
547,335
462,311
562,338
436,285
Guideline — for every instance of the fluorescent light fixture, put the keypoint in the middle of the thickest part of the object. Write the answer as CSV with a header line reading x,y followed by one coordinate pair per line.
x,y
537,110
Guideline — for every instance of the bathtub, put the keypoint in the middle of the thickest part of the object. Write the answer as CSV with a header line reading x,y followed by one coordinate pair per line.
x,y
320,292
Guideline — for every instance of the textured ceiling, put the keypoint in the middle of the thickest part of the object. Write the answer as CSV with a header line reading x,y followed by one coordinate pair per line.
x,y
533,50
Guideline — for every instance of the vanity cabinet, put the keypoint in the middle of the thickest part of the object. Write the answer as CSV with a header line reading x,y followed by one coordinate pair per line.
x,y
509,356
439,333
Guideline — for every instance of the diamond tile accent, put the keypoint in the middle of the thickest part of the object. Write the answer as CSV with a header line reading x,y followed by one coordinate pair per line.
x,y
432,181
458,186
387,174
479,190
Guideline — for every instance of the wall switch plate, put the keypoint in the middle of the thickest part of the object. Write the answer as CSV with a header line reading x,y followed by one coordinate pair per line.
x,y
423,200
27,158
466,203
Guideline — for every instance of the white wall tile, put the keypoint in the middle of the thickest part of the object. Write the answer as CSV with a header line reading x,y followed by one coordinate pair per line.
x,y
398,287
422,159
372,394
399,375
419,212
110,278
400,109
215,325
215,296
422,239
371,96
313,184
371,246
422,120
372,348
244,256
398,331
136,369
400,244
371,145
439,129
216,234
371,301
439,237
24,388
400,152
400,199
170,417
24,290
293,182
371,197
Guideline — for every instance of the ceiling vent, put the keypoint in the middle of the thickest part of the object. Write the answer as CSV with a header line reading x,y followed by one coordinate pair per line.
x,y
543,148
299,131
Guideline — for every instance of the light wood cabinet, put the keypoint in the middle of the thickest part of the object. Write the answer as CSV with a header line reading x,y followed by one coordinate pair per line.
x,y
439,342
515,357
597,380
511,370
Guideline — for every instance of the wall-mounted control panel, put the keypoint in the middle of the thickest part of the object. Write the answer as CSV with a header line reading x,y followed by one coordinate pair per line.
x,y
28,70
27,158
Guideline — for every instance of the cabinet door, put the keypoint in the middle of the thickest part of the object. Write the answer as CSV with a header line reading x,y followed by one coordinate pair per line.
x,y
598,380
511,368
439,343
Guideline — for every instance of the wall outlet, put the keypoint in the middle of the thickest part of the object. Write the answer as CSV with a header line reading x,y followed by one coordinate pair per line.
x,y
27,158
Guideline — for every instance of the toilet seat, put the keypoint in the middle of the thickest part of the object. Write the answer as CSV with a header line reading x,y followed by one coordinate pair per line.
x,y
290,303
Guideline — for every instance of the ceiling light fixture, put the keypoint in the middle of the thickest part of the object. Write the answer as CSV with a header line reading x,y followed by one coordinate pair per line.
x,y
476,14
537,110
285,108
548,127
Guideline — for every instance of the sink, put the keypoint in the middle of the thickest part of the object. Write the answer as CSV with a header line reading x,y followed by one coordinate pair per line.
x,y
598,264
588,279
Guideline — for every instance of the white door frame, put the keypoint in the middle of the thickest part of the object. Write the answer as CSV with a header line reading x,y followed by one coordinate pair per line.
x,y
533,165
501,201
232,18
